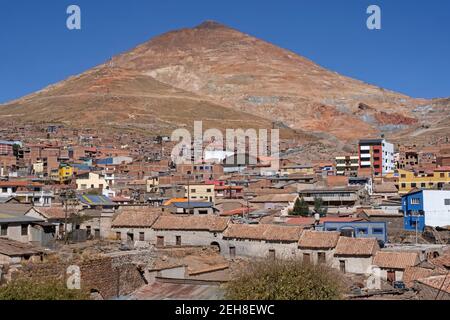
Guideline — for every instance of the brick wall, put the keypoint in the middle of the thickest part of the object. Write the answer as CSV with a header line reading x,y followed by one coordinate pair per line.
x,y
109,276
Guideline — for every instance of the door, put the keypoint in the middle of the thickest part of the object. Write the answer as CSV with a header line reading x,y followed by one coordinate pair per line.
x,y
160,241
141,236
272,254
232,252
97,233
130,237
391,276
321,257
306,258
178,240
342,266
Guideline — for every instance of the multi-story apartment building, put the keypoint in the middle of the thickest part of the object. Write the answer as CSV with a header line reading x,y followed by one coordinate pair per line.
x,y
6,148
200,192
436,179
408,158
347,165
378,155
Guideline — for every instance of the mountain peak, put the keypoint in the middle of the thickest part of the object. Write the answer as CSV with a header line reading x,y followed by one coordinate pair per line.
x,y
210,24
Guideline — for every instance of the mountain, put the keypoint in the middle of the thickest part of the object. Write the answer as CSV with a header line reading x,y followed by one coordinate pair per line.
x,y
226,78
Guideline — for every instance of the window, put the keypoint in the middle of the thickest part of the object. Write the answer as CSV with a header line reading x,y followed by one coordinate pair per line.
x,y
403,176
178,240
413,185
24,230
3,230
447,202
272,254
208,190
362,231
415,201
141,236
442,175
118,236
403,185
193,190
423,185
377,231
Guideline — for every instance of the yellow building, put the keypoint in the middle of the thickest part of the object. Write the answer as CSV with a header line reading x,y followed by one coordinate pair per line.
x,y
200,192
65,173
297,169
409,180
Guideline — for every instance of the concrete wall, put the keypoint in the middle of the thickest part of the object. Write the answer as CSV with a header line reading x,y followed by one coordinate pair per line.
x,y
437,214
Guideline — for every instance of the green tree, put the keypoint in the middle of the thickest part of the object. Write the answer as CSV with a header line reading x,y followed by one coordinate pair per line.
x,y
285,280
319,207
301,208
29,289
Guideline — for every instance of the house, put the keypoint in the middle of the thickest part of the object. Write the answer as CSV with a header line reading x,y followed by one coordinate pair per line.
x,y
355,255
15,252
261,241
360,230
337,196
90,180
170,230
135,224
347,165
434,288
55,215
378,155
393,264
318,247
65,173
296,169
15,225
192,208
423,179
423,208
200,192
274,201
385,190
393,220
26,191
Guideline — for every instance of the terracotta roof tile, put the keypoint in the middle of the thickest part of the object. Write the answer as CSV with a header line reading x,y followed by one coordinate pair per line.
x,y
396,260
356,247
318,240
437,282
266,232
136,218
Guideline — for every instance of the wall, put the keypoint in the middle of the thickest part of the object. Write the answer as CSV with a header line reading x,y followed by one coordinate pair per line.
x,y
437,214
101,274
358,265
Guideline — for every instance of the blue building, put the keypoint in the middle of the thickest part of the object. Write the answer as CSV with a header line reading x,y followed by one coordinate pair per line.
x,y
422,208
359,229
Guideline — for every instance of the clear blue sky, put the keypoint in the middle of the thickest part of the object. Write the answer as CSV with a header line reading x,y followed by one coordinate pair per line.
x,y
411,54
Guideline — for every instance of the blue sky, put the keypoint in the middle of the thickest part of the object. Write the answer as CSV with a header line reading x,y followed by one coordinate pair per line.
x,y
411,54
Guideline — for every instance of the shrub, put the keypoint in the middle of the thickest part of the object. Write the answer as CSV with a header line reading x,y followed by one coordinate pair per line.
x,y
285,280
28,289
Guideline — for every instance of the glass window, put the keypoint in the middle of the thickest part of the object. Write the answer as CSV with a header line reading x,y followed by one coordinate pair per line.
x,y
377,231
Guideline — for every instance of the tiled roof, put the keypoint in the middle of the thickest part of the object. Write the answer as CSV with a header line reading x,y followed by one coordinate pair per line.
x,y
199,223
51,212
318,240
136,218
437,282
356,247
14,248
412,274
396,260
266,232
386,187
443,260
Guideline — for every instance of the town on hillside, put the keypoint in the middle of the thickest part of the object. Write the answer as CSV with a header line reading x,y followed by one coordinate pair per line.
x,y
139,226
